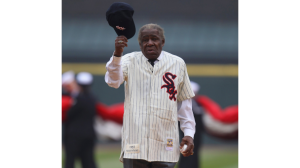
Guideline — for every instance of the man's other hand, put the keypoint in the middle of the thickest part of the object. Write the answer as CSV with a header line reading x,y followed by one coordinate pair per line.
x,y
190,146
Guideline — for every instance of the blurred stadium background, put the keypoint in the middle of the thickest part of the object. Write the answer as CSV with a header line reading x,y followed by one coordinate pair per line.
x,y
204,33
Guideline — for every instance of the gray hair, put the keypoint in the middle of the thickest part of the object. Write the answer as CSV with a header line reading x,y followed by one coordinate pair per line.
x,y
152,26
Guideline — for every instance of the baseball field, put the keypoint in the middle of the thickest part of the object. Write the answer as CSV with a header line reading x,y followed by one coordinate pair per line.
x,y
107,156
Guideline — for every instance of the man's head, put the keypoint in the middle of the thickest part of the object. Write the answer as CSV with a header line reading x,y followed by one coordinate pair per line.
x,y
195,87
84,80
151,40
68,82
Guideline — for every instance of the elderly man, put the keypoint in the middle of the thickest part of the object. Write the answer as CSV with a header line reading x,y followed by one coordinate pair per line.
x,y
157,94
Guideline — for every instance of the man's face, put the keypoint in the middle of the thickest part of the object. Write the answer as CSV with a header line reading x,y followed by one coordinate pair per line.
x,y
151,43
67,87
70,87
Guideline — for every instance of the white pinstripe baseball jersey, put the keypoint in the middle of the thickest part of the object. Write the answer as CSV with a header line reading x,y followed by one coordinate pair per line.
x,y
150,125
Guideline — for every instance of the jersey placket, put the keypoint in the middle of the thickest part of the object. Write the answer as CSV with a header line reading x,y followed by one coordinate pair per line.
x,y
152,92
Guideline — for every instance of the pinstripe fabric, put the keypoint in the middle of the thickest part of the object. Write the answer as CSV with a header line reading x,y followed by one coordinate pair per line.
x,y
150,117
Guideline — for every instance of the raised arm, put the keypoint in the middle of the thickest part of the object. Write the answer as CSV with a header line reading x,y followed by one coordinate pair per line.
x,y
114,75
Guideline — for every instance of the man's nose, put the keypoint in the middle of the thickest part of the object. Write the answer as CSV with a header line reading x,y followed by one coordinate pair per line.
x,y
150,43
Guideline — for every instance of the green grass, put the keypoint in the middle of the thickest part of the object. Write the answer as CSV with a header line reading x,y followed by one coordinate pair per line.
x,y
219,158
211,157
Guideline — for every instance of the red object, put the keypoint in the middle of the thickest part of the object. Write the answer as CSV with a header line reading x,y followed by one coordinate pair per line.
x,y
113,113
66,102
227,115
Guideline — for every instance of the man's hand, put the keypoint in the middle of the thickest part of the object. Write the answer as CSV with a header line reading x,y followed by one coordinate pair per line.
x,y
190,145
120,43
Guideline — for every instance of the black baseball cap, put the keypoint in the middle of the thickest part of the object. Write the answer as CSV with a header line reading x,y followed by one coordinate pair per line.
x,y
120,14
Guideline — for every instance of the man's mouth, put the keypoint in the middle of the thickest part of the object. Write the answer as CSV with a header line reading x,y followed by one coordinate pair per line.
x,y
150,50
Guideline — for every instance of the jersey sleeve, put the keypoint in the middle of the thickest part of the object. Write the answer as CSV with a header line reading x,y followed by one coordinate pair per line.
x,y
185,89
124,64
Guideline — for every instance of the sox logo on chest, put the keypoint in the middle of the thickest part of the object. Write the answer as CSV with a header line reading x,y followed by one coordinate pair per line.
x,y
168,78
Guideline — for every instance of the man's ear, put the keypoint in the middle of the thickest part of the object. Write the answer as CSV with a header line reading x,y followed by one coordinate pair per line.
x,y
140,45
163,42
